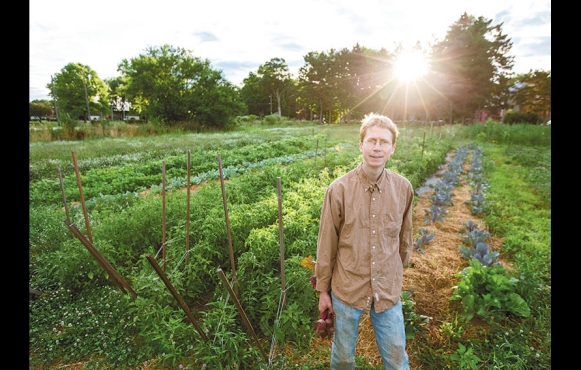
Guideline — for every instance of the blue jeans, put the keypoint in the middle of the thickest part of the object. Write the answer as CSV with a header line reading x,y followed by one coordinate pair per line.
x,y
389,329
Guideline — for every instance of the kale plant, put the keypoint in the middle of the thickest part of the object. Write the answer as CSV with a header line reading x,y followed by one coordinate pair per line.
x,y
434,214
477,247
425,238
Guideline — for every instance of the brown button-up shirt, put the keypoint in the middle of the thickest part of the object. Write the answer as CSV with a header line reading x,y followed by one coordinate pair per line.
x,y
365,239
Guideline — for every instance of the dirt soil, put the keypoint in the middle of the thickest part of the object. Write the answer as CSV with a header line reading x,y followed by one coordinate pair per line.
x,y
431,275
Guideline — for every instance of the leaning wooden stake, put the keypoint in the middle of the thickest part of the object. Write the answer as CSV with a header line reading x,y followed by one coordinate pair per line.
x,y
188,211
232,262
177,297
82,197
163,213
117,279
281,242
241,312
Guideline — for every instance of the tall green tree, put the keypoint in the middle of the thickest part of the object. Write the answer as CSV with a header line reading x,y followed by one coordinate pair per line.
x,y
170,84
533,94
316,82
40,108
79,91
472,66
275,78
254,97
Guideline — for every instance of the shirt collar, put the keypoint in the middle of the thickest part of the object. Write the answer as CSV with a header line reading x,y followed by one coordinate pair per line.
x,y
366,184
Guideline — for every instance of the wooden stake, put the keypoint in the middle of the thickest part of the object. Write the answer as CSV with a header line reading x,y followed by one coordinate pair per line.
x,y
163,212
232,262
241,312
117,279
281,241
176,296
188,212
82,198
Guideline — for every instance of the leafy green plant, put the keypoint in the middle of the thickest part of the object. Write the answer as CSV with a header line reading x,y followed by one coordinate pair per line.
x,y
465,358
488,291
413,322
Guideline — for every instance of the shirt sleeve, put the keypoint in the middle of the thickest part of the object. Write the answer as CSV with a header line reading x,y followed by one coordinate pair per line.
x,y
406,232
328,240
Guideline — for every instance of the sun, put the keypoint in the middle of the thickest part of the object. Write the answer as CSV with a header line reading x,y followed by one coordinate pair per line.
x,y
410,66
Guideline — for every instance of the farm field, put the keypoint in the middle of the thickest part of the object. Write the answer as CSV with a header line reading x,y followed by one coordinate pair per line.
x,y
80,319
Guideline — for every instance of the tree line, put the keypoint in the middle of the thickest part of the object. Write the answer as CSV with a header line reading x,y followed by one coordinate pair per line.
x,y
470,76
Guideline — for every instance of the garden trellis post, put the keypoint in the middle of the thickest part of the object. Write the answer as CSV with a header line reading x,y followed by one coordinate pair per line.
x,y
163,213
188,211
241,311
177,297
281,241
117,279
232,262
82,197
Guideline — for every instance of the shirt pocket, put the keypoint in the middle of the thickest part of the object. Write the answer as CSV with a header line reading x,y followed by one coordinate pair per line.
x,y
392,228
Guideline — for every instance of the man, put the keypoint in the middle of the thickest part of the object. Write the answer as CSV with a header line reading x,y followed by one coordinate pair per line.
x,y
364,243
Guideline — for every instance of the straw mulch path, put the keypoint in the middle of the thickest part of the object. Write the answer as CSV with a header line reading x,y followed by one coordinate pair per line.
x,y
431,275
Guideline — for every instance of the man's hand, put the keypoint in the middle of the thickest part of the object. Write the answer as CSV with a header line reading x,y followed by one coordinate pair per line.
x,y
325,302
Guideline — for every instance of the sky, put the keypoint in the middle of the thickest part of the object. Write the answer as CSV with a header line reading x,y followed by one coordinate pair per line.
x,y
238,36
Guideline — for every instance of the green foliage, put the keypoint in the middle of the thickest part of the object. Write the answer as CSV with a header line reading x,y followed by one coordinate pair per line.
x,y
97,323
40,108
78,87
465,358
413,322
514,134
488,291
512,116
532,92
170,84
474,58
272,119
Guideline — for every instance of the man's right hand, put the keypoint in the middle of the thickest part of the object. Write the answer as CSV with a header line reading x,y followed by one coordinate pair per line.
x,y
325,302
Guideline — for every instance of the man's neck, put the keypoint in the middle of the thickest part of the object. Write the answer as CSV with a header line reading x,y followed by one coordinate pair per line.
x,y
372,173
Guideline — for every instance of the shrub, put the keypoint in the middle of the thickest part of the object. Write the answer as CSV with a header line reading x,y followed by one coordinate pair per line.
x,y
521,117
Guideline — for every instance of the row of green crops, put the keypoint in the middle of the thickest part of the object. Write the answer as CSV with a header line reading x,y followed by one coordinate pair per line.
x,y
81,316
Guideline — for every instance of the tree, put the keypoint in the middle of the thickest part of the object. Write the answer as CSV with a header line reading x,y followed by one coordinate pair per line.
x,y
170,84
40,108
472,66
254,97
79,91
532,92
275,79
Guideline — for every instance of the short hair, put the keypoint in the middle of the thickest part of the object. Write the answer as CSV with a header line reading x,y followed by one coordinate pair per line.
x,y
374,119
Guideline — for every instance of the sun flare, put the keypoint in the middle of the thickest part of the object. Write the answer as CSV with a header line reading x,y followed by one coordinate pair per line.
x,y
410,66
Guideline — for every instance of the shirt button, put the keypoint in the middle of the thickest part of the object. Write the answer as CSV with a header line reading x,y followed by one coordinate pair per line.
x,y
373,198
373,263
373,232
372,215
373,279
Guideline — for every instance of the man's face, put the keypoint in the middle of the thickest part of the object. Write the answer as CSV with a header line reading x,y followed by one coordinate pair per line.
x,y
377,147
